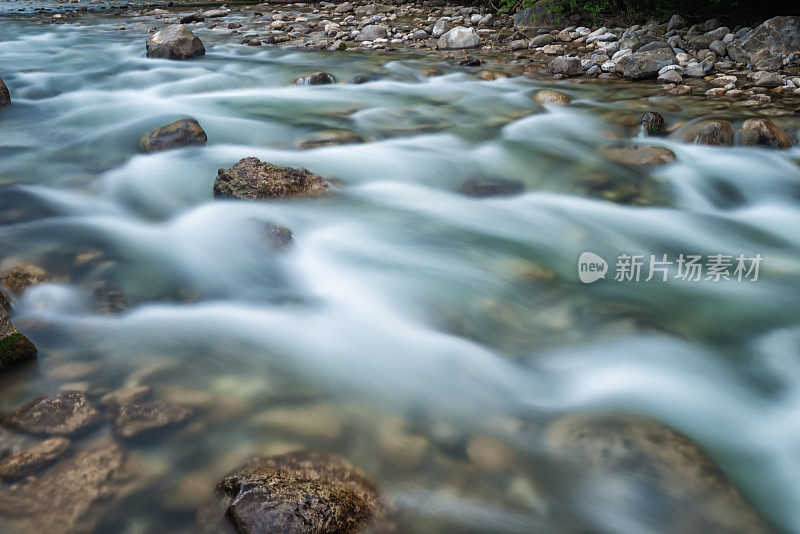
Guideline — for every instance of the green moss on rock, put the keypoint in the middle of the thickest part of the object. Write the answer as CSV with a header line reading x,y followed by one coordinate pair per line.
x,y
14,349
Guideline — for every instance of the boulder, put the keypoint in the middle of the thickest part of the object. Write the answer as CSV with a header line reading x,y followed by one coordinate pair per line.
x,y
300,492
183,132
458,38
64,413
709,132
30,460
344,7
763,132
552,97
539,15
778,35
638,156
768,79
676,22
491,186
314,78
541,40
370,32
568,66
683,487
215,13
193,17
73,496
136,419
441,27
5,96
640,65
15,348
175,42
652,123
253,179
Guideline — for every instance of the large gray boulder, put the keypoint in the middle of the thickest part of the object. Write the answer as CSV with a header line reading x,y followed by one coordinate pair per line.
x,y
370,32
5,96
778,35
641,65
458,38
175,42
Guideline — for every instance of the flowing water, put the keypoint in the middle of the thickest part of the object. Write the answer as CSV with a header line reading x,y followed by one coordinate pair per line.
x,y
406,315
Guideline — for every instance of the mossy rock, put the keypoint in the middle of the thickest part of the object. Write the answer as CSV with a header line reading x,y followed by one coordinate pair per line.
x,y
15,349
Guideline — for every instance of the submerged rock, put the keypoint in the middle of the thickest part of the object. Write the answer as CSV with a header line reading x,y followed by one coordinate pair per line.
x,y
175,42
683,486
183,132
33,458
279,237
653,124
22,277
63,414
763,132
301,492
133,420
458,38
73,496
5,96
15,348
330,138
253,179
710,132
314,78
552,97
491,186
638,156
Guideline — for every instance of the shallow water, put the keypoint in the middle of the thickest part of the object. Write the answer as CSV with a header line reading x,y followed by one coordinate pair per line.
x,y
403,308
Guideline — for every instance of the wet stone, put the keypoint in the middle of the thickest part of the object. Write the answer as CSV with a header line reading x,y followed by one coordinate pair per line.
x,y
552,97
175,42
253,179
33,458
491,186
181,133
64,414
314,78
653,124
763,132
709,132
137,419
5,96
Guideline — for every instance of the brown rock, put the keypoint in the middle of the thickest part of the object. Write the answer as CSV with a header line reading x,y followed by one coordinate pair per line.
x,y
253,179
21,277
710,132
63,414
552,97
33,458
638,156
296,493
763,132
653,123
70,497
183,132
133,420
658,462
279,237
175,42
314,78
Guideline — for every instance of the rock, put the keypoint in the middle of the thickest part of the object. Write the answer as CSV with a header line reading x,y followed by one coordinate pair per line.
x,y
709,132
127,395
680,90
63,414
640,65
722,81
763,132
193,17
21,277
682,484
344,7
215,13
541,40
371,32
175,42
279,237
568,66
314,78
72,496
458,38
670,76
253,179
552,97
300,492
770,63
719,48
5,96
489,453
320,421
638,156
541,15
33,458
700,42
676,22
181,133
15,348
652,123
698,70
441,27
491,186
330,138
778,35
768,79
655,45
134,420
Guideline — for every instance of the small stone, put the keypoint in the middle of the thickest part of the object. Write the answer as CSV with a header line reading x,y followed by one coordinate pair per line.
x,y
330,138
491,186
639,156
21,277
253,179
371,32
5,96
541,40
458,38
680,90
133,420
33,458
709,132
722,81
670,76
279,237
314,78
175,42
568,66
764,133
64,414
652,123
181,133
676,22
768,79
552,97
